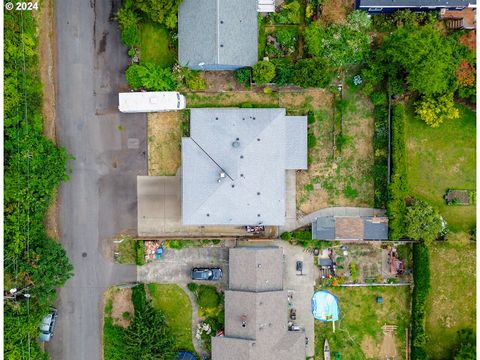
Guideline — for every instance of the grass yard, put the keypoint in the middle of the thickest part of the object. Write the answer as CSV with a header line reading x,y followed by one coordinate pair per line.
x,y
155,45
451,303
164,143
176,306
359,333
346,180
443,158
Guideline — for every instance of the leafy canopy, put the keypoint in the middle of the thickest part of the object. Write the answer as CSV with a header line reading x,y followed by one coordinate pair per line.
x,y
263,72
435,111
423,222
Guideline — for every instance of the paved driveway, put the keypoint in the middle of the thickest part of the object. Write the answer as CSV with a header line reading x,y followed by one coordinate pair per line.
x,y
175,265
300,287
109,148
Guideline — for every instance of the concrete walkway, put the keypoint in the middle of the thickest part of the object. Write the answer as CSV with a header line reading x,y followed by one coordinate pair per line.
x,y
333,211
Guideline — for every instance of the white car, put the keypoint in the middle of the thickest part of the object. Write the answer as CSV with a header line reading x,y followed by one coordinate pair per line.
x,y
157,101
47,327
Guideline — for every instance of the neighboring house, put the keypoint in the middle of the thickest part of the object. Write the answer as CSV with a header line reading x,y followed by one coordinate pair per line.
x,y
217,35
256,310
385,6
459,19
350,228
234,165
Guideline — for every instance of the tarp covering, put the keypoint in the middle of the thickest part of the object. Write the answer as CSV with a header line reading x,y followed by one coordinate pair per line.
x,y
184,355
325,306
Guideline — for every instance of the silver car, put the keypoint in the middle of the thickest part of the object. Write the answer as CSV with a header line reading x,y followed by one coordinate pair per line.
x,y
47,327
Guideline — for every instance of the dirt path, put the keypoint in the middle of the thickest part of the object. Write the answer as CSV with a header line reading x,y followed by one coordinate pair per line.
x,y
45,18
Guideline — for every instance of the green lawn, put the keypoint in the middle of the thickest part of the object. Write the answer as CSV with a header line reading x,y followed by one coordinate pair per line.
x,y
358,333
442,158
175,304
154,45
451,303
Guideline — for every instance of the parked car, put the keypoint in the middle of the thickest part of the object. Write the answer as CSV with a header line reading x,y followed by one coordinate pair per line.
x,y
207,274
47,327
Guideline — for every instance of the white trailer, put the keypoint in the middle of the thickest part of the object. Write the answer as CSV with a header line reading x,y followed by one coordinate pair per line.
x,y
140,102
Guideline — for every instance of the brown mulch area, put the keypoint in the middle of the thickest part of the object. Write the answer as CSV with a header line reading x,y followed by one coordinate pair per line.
x,y
469,40
221,81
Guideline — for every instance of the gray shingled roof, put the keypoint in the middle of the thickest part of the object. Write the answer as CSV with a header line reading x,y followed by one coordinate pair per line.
x,y
256,322
253,149
364,4
374,228
221,34
259,270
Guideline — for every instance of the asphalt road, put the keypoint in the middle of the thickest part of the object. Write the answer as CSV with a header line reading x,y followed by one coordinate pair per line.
x,y
99,201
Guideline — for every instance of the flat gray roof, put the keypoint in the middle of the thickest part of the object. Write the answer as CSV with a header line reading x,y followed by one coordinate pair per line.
x,y
350,228
234,163
219,34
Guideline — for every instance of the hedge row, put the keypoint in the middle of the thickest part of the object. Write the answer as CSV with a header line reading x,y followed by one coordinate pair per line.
x,y
421,288
380,166
398,189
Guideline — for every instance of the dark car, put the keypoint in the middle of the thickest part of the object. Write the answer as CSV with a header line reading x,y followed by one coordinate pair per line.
x,y
47,327
207,274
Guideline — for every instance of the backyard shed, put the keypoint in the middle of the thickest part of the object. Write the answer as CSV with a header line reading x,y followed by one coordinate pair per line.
x,y
350,228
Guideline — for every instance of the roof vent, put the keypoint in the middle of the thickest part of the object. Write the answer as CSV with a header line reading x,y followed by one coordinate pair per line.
x,y
236,143
222,176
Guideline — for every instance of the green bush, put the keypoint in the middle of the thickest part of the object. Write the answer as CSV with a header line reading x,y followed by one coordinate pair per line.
x,y
128,21
196,82
350,192
380,145
290,13
421,289
133,75
379,98
139,297
208,297
341,141
263,72
311,140
283,71
311,73
286,235
139,252
302,234
243,75
398,189
192,287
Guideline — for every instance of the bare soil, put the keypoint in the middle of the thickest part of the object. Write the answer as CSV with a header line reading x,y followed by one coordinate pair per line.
x,y
388,349
336,11
122,302
164,143
221,81
369,347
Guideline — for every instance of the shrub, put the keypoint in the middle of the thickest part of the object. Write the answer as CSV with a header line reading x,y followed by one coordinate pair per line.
x,y
379,98
423,222
192,287
310,117
308,187
207,297
290,13
354,272
286,235
421,289
302,234
126,315
139,252
139,297
359,21
128,22
311,73
263,72
398,189
196,82
350,192
311,140
380,167
435,111
243,75
342,140
133,76
283,71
